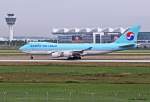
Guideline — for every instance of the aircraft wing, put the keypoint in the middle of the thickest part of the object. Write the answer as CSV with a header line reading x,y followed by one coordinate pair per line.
x,y
69,53
79,53
89,48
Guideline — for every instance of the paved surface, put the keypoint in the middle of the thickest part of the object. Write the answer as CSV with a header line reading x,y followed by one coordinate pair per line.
x,y
98,57
115,61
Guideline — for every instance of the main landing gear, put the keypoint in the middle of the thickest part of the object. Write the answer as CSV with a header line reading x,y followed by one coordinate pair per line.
x,y
74,58
31,57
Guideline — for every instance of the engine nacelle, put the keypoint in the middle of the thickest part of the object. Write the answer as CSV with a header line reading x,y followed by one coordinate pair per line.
x,y
67,54
62,54
57,54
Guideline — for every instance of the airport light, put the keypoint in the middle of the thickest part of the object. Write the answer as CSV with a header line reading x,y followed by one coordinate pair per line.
x,y
10,20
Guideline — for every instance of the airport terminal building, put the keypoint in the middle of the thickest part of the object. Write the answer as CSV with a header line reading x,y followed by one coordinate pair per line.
x,y
78,35
96,35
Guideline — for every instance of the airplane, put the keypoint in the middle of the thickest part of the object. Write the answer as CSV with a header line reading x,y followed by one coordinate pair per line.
x,y
128,40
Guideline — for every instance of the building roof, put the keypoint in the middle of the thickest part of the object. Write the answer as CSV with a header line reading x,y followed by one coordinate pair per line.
x,y
96,30
86,30
61,30
108,30
120,29
3,39
73,30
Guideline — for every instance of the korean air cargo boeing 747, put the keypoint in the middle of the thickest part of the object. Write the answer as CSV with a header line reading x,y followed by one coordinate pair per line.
x,y
128,40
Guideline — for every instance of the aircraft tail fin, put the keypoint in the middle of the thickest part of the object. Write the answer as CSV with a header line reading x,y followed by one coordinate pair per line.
x,y
129,36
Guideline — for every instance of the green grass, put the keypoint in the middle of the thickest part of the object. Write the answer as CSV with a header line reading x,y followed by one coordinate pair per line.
x,y
69,69
9,51
74,83
74,74
74,92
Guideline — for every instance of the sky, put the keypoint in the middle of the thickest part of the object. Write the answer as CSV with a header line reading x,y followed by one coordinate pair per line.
x,y
38,17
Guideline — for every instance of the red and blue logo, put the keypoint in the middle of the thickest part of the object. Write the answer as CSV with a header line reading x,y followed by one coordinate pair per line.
x,y
130,36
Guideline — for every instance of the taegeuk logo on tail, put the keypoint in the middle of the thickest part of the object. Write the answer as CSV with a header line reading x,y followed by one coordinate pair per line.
x,y
130,36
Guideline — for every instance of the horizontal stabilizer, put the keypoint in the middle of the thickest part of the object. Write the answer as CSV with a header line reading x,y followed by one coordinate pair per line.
x,y
127,46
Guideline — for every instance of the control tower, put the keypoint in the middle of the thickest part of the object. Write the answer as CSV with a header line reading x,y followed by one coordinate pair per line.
x,y
10,20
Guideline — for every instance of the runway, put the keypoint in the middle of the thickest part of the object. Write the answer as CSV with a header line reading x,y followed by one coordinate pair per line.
x,y
109,58
94,61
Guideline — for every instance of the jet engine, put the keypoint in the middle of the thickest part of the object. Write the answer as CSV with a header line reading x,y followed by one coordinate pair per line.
x,y
57,54
67,54
62,54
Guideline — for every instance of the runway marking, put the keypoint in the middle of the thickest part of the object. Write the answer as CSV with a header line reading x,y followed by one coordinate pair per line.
x,y
114,61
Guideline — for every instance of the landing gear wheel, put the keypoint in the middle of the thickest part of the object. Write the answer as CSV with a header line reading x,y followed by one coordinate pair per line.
x,y
31,57
74,58
70,58
78,57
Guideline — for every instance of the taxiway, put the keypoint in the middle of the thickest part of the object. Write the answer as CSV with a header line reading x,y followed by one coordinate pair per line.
x,y
97,61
